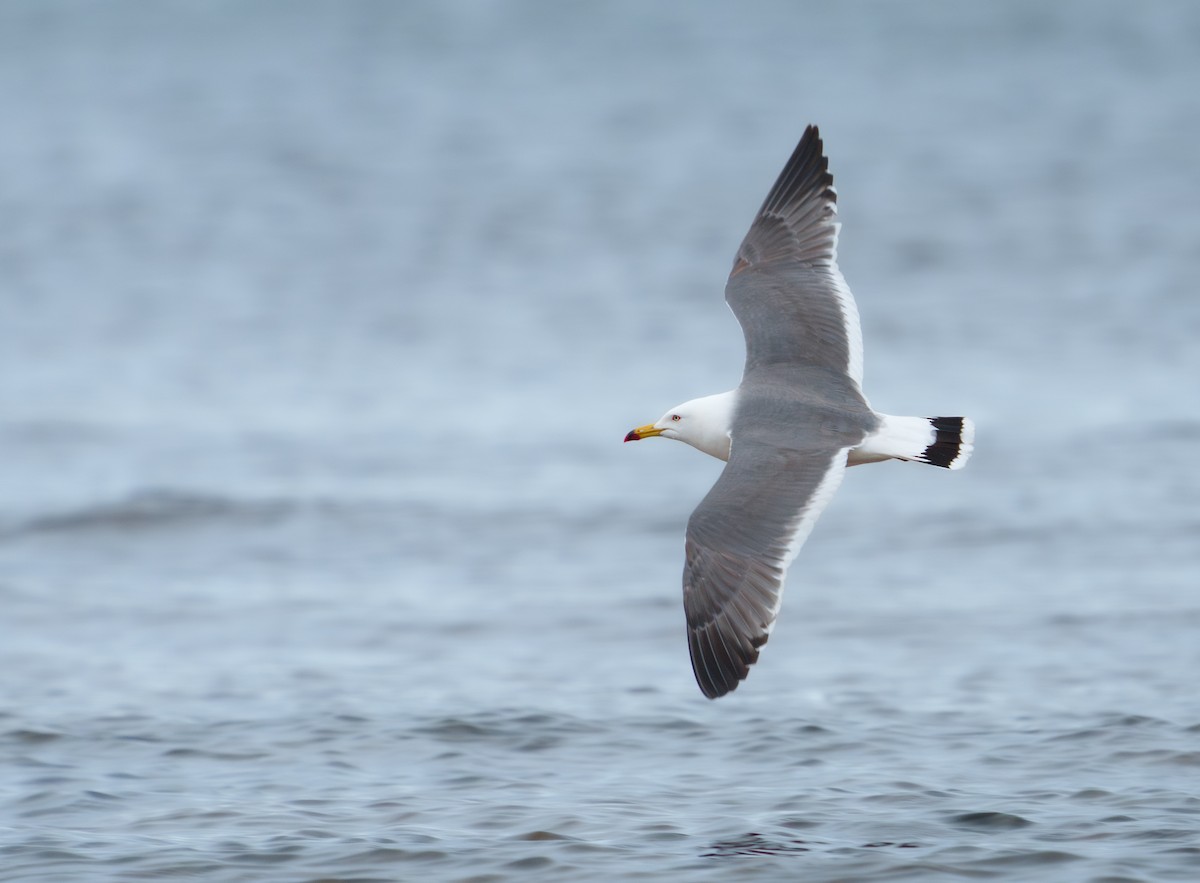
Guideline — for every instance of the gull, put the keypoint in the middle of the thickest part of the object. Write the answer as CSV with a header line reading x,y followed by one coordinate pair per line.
x,y
790,429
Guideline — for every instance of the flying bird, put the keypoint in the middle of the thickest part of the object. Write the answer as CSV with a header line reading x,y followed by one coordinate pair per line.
x,y
790,429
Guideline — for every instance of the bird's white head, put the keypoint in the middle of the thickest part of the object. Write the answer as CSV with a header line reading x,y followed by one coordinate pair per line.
x,y
703,423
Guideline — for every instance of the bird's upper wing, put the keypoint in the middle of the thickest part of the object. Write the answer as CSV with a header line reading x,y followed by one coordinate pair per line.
x,y
740,541
785,287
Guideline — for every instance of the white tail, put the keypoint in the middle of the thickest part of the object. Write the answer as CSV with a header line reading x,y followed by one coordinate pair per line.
x,y
938,441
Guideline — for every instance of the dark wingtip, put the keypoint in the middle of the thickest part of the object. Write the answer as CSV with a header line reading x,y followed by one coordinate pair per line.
x,y
720,666
795,221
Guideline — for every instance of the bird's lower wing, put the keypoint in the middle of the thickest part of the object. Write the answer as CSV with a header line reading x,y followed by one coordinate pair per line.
x,y
740,541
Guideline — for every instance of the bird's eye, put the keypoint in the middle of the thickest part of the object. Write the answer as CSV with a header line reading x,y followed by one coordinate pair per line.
x,y
676,417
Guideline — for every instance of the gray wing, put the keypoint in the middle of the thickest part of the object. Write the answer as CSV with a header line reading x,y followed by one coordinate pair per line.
x,y
785,289
740,541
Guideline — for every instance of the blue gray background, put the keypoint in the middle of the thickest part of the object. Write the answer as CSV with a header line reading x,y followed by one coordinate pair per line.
x,y
321,556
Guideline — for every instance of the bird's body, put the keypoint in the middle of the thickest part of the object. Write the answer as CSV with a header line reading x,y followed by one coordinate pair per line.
x,y
789,430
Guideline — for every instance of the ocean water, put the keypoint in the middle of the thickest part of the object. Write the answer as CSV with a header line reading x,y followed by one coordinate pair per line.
x,y
320,554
